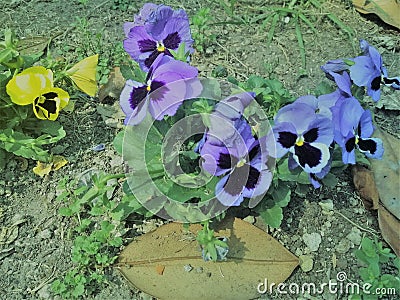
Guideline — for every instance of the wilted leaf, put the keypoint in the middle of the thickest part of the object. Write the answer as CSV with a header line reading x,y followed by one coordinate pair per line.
x,y
390,228
387,172
390,101
387,10
10,233
42,168
253,256
364,182
32,45
111,114
57,162
83,74
112,89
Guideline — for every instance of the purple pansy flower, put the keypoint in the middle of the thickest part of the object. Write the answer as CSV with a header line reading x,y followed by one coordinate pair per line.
x,y
225,121
353,129
305,134
322,105
334,66
141,18
168,84
368,71
243,166
164,29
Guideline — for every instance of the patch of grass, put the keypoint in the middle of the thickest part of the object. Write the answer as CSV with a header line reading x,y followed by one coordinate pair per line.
x,y
297,12
200,25
99,217
373,255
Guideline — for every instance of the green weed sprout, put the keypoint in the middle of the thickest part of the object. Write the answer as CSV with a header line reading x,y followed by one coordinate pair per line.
x,y
373,255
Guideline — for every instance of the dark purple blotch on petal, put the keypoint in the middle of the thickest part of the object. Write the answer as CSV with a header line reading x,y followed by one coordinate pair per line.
x,y
367,145
376,83
308,155
156,85
252,179
287,139
235,182
253,152
172,41
227,161
147,45
152,57
137,96
311,135
350,144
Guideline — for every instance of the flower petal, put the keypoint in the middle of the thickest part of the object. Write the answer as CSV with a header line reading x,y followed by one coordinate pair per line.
x,y
372,147
312,157
26,86
225,197
285,137
290,113
320,131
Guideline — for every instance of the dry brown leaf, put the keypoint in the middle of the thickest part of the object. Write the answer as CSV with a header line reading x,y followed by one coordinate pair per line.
x,y
390,228
387,10
365,184
253,256
112,89
387,172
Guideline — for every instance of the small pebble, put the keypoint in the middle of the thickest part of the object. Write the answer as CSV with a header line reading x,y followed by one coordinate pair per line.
x,y
187,268
306,263
250,219
354,236
199,270
99,147
312,240
343,246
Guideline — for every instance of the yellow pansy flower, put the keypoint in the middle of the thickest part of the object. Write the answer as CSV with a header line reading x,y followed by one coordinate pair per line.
x,y
48,105
35,86
26,86
83,74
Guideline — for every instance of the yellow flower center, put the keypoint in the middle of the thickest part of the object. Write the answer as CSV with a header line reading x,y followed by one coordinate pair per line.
x,y
300,141
241,163
148,88
160,47
357,139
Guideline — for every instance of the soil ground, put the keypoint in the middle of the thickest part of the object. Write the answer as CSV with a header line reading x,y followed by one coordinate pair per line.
x,y
41,252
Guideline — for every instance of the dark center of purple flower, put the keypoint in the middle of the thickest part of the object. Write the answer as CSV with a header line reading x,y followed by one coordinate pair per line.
x,y
171,41
147,45
227,161
245,175
308,155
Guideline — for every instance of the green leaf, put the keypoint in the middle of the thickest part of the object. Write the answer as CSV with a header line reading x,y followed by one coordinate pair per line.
x,y
118,142
296,175
65,211
330,180
272,216
281,195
